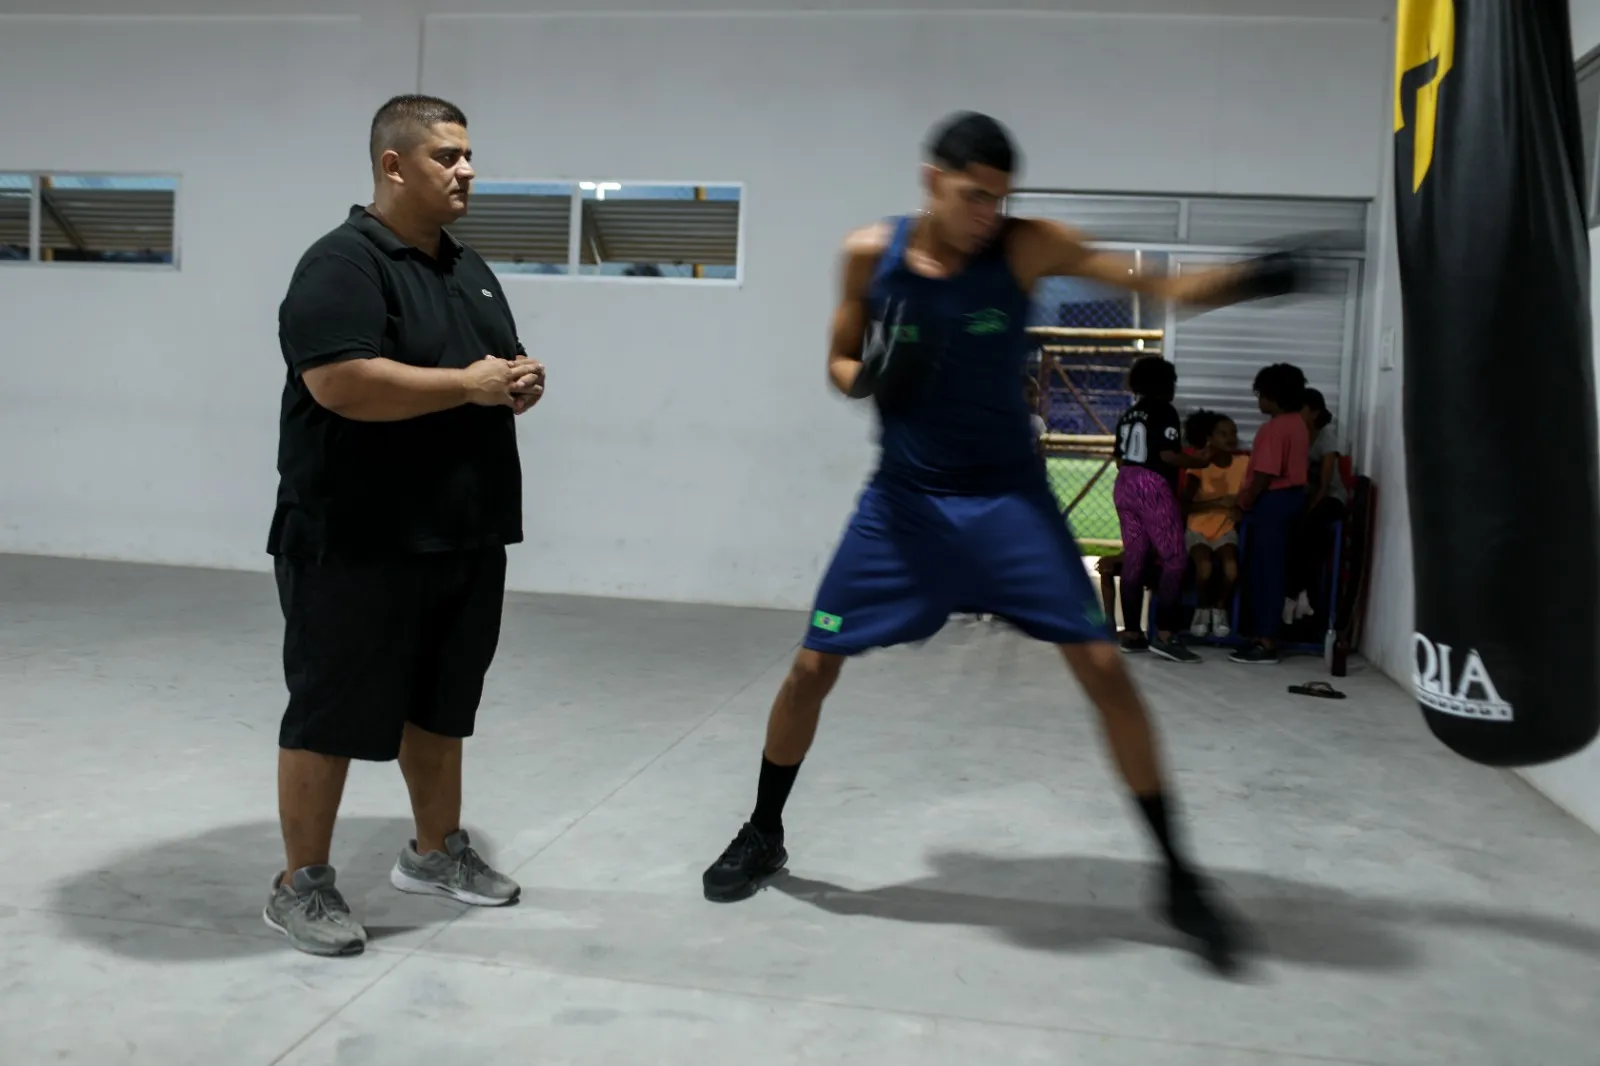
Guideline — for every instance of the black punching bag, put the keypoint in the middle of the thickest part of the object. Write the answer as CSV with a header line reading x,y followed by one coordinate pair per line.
x,y
1499,387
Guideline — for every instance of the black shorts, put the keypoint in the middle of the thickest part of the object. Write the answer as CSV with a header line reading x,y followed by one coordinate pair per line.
x,y
370,646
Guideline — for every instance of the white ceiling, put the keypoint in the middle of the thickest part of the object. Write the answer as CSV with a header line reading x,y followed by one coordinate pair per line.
x,y
1345,9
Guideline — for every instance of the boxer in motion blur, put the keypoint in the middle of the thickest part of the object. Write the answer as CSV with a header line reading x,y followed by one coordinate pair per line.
x,y
930,324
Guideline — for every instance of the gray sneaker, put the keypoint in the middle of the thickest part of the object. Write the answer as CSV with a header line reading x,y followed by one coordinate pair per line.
x,y
310,911
458,872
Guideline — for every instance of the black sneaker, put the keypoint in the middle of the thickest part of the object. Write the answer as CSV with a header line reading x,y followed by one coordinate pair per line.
x,y
1172,651
1255,655
751,858
1192,910
1133,644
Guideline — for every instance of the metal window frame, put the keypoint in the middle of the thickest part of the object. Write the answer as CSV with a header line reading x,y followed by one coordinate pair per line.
x,y
34,224
575,234
36,219
1185,201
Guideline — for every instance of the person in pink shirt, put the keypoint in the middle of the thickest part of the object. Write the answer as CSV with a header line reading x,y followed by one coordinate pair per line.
x,y
1273,496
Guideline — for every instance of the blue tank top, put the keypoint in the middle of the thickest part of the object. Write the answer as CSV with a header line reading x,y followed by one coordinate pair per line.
x,y
968,432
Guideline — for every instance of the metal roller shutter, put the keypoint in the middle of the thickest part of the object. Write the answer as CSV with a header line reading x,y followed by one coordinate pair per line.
x,y
1156,222
16,212
660,231
1122,219
1219,353
1339,225
106,220
517,228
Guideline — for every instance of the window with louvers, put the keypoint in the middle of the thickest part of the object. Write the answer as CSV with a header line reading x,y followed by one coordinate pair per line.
x,y
607,229
666,228
520,228
1219,353
16,215
88,218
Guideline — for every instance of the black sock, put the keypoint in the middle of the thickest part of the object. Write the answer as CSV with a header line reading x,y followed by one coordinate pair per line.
x,y
1133,619
772,792
1155,812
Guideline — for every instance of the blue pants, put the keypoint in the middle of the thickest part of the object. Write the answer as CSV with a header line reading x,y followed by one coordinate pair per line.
x,y
1267,557
909,560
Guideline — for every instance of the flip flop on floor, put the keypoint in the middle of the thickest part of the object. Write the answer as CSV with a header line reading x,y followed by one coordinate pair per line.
x,y
1320,689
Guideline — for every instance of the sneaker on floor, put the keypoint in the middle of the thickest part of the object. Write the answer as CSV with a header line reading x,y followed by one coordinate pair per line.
x,y
750,859
1134,644
1192,909
1255,655
310,911
1219,623
458,872
1172,651
1201,626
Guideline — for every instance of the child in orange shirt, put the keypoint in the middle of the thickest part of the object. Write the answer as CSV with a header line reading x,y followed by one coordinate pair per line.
x,y
1211,504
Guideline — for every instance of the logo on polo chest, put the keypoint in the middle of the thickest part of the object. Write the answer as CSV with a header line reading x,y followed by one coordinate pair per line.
x,y
989,321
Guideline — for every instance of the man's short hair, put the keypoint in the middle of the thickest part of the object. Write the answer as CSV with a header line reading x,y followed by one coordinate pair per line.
x,y
404,121
967,139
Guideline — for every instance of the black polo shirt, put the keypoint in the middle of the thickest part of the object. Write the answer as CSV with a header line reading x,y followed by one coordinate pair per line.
x,y
443,482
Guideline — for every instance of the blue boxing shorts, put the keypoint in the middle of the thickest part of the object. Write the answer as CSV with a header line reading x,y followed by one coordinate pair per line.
x,y
910,559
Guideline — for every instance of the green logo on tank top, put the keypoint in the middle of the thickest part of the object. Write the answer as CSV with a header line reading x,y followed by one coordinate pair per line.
x,y
830,623
989,320
908,334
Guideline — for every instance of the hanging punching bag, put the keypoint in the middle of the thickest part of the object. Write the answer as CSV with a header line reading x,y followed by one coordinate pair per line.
x,y
1499,407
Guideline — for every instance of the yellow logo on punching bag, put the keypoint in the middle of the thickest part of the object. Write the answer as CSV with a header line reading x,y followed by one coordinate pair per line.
x,y
1426,34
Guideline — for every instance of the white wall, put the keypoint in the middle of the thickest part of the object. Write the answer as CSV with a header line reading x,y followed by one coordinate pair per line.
x,y
688,448
135,416
1585,15
1380,443
1573,783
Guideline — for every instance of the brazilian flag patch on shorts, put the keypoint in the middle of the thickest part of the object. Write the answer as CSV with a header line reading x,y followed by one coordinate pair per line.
x,y
830,623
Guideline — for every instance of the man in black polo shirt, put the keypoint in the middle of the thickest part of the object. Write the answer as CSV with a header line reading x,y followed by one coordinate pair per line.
x,y
400,488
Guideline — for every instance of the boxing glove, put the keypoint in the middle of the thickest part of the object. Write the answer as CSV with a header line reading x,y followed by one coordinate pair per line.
x,y
896,359
1276,273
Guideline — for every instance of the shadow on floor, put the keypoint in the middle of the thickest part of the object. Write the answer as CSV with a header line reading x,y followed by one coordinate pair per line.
x,y
219,882
1075,903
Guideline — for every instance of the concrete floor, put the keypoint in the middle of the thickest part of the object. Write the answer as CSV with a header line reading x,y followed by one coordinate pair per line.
x,y
967,885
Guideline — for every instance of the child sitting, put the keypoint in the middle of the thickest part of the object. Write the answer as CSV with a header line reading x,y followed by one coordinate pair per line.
x,y
1211,502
